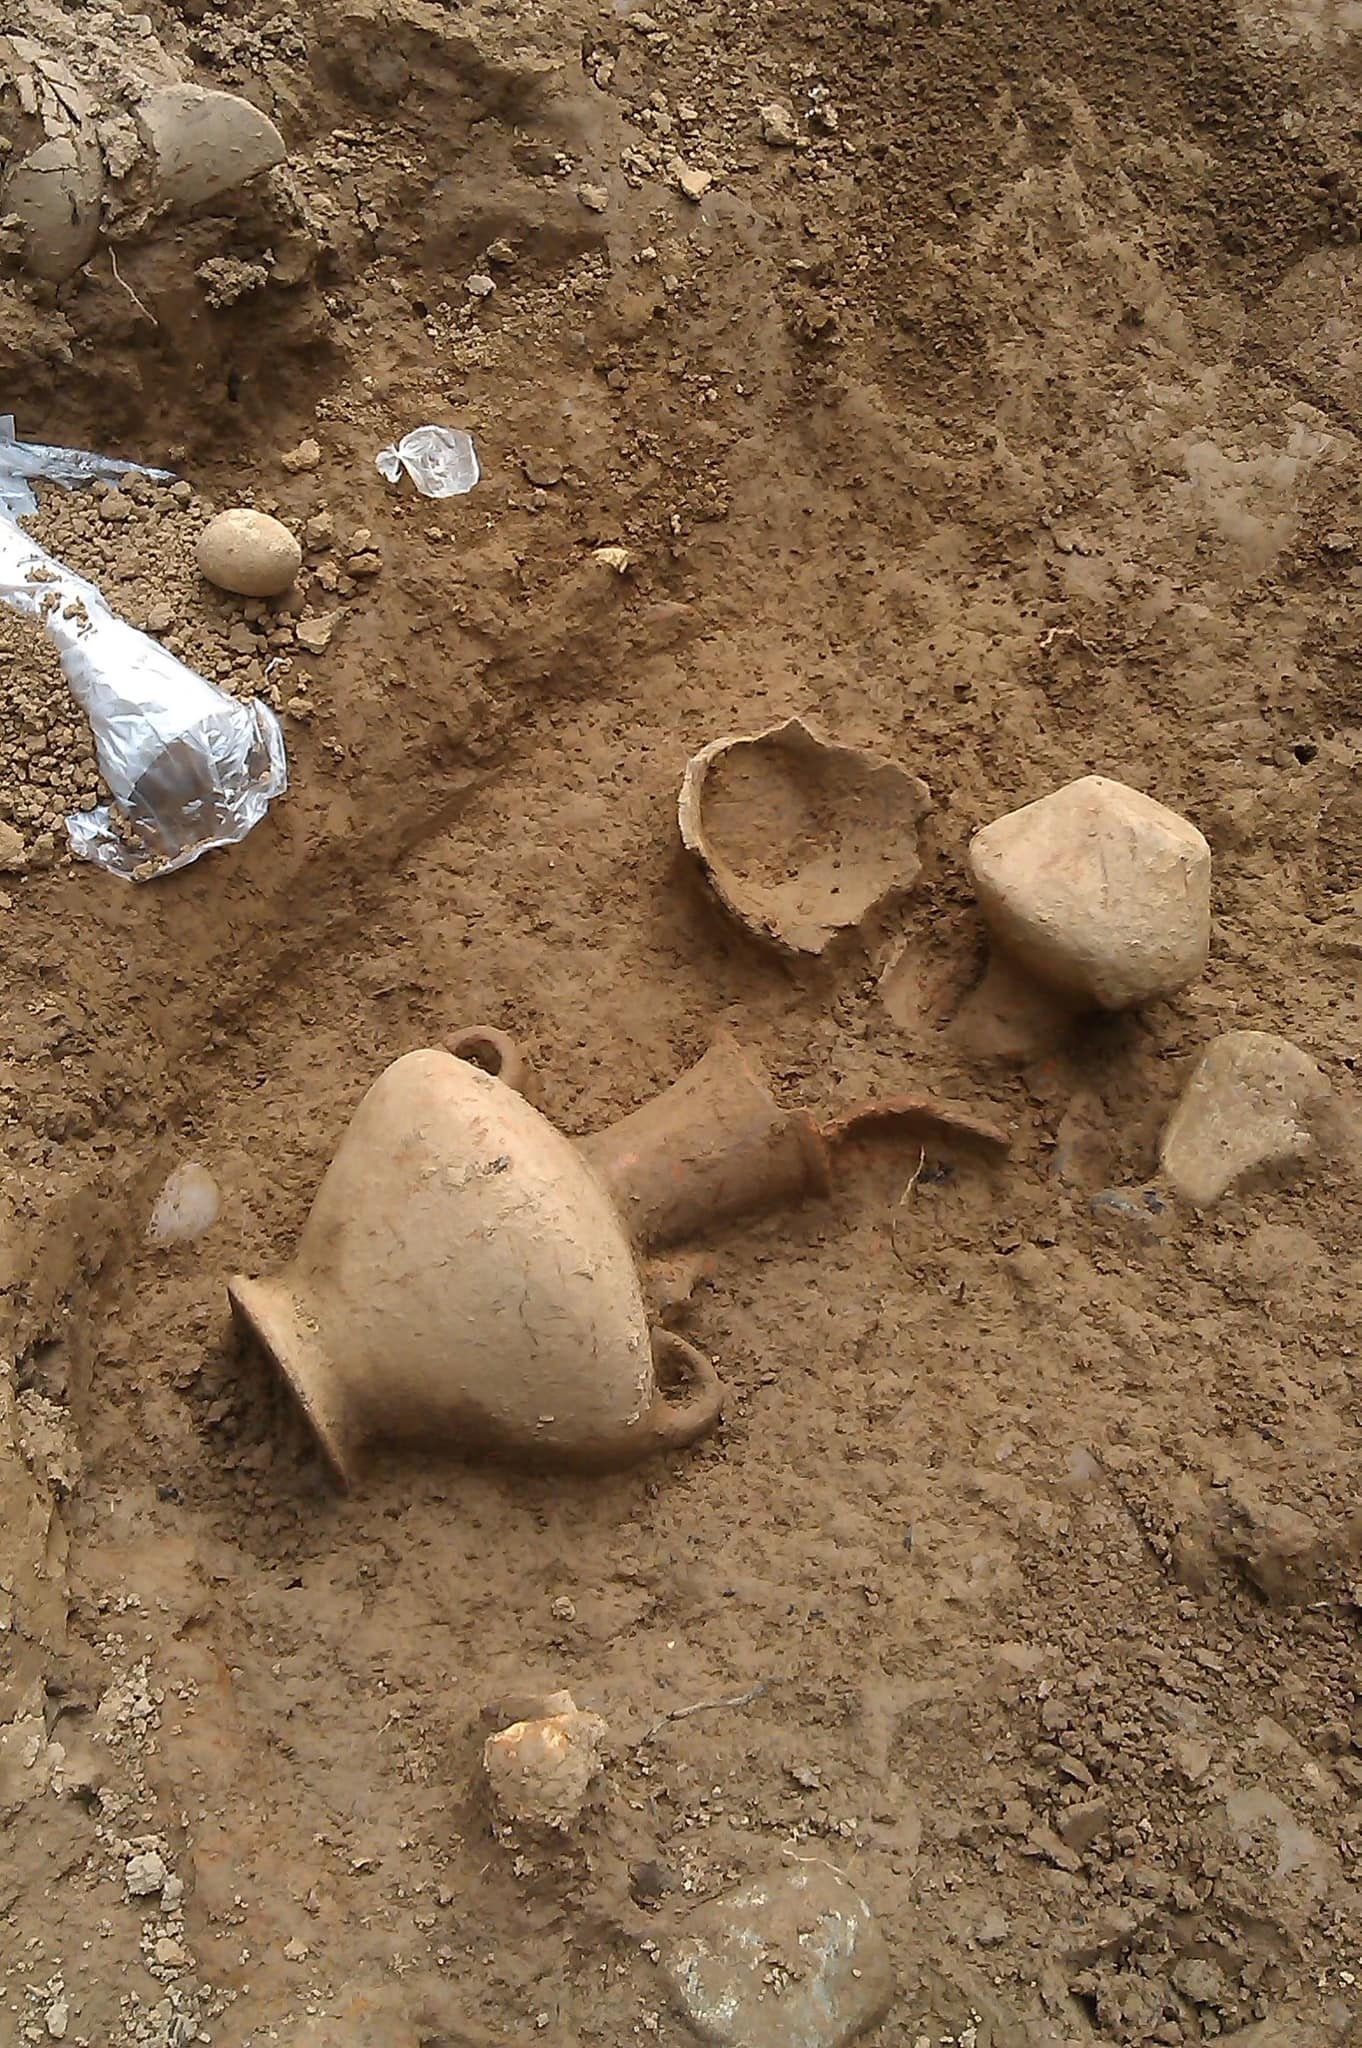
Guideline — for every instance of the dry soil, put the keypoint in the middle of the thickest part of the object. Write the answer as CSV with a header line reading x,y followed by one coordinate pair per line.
x,y
1008,424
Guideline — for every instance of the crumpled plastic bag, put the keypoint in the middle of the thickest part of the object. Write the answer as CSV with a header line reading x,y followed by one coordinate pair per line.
x,y
20,460
441,461
189,768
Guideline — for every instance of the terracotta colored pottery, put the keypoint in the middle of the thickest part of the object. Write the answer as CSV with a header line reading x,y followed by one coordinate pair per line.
x,y
466,1279
800,838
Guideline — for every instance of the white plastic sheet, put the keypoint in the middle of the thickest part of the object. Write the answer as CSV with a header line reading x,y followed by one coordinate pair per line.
x,y
188,767
20,460
441,461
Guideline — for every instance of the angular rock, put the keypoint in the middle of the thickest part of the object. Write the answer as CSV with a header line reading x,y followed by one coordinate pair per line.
x,y
57,192
300,461
795,1960
315,633
541,1770
145,1875
1098,891
691,182
777,126
203,143
1251,1104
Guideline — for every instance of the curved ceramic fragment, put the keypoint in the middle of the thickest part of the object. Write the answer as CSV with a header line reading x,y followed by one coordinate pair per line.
x,y
203,143
800,838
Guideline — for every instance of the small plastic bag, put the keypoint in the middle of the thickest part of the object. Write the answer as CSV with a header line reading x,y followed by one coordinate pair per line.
x,y
189,768
441,461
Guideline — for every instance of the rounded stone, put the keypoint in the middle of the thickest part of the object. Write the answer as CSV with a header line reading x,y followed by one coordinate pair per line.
x,y
249,553
1099,892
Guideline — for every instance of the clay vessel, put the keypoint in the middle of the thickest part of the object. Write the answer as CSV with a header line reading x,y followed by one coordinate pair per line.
x,y
465,1280
712,1147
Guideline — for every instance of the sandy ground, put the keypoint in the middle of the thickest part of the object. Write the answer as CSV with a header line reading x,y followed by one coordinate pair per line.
x,y
1008,424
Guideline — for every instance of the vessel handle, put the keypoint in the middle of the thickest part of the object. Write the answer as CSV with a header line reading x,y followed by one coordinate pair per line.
x,y
672,1424
496,1053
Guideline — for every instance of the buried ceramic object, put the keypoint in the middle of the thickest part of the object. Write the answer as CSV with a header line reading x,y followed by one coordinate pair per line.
x,y
466,1280
714,1146
204,143
56,193
800,838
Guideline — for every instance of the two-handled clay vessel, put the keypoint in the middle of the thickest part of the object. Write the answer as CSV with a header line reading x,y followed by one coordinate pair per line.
x,y
468,1278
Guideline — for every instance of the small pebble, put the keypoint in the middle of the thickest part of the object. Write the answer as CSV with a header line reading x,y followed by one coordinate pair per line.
x,y
145,1875
778,127
594,198
302,459
480,285
187,1206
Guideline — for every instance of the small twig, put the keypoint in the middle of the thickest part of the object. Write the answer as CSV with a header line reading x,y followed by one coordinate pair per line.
x,y
898,1206
120,279
737,1699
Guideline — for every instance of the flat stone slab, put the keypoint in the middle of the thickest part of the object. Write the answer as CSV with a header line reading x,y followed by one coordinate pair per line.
x,y
1248,1106
795,1960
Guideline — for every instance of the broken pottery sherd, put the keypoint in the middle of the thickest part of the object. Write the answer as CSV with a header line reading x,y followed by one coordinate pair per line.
x,y
1099,892
800,838
57,193
1252,1103
204,143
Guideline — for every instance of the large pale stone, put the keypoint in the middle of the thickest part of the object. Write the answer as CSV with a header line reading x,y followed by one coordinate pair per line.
x,y
793,1961
1249,1105
249,553
1099,891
